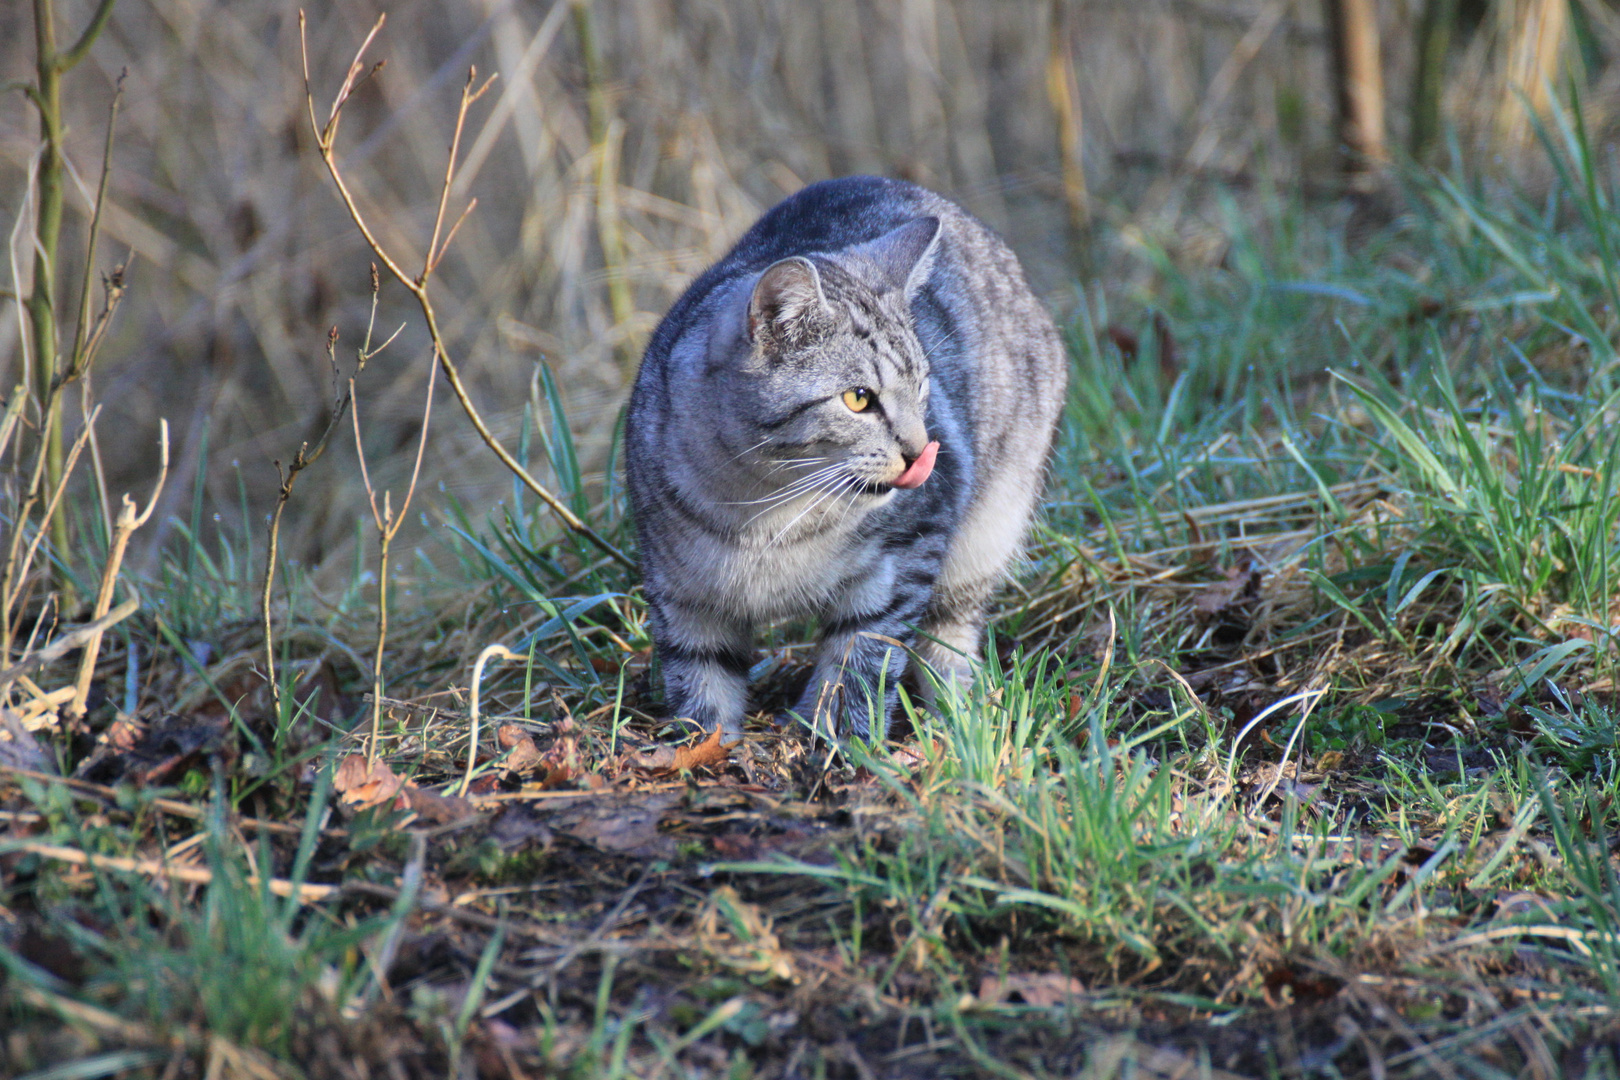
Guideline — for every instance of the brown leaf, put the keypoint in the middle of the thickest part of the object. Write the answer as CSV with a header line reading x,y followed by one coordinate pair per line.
x,y
1305,987
557,767
1169,355
438,809
1032,988
666,760
1124,340
524,755
363,785
123,735
655,759
487,784
519,826
1241,582
710,752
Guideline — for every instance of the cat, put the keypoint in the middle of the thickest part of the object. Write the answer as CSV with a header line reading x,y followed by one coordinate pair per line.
x,y
848,417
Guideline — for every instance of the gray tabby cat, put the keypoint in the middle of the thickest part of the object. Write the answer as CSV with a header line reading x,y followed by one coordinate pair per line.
x,y
847,417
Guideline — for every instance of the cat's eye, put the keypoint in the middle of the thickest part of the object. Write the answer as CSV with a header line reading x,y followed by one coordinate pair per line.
x,y
858,398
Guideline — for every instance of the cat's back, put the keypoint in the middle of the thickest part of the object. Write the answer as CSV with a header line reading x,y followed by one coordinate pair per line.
x,y
975,312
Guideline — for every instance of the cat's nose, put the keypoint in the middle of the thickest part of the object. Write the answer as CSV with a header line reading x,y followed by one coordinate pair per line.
x,y
912,443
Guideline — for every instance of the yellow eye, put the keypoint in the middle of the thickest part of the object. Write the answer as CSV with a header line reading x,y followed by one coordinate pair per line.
x,y
858,399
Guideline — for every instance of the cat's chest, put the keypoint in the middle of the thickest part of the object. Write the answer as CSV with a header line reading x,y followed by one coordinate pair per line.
x,y
761,582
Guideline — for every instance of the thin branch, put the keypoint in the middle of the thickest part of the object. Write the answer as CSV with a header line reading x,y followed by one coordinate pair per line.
x,y
81,48
306,892
80,355
418,289
68,642
360,452
302,460
16,583
435,252
434,264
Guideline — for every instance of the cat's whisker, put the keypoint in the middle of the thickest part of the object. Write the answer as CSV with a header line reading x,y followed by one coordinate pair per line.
x,y
750,450
801,492
799,487
809,479
854,494
928,354
830,492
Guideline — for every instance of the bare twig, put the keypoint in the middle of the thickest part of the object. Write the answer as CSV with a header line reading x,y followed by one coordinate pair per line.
x,y
128,521
86,340
388,525
16,574
46,94
325,137
69,641
192,875
303,459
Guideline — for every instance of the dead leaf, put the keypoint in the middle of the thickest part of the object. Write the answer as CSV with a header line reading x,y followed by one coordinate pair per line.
x,y
1304,987
1124,340
436,808
708,753
524,755
558,765
160,753
364,785
911,755
1032,988
739,935
123,734
519,826
666,760
1241,582
656,759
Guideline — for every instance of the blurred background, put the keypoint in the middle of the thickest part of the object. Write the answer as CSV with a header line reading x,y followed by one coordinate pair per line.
x,y
626,144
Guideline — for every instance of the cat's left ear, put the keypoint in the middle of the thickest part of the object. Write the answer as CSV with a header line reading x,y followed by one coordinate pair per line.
x,y
904,256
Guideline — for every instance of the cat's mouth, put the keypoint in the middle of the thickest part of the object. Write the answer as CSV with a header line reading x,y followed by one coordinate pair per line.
x,y
911,477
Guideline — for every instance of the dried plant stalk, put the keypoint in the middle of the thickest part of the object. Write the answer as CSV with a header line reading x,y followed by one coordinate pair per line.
x,y
1359,82
128,521
325,139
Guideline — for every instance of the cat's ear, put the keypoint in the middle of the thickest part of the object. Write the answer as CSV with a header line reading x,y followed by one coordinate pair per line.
x,y
904,256
788,306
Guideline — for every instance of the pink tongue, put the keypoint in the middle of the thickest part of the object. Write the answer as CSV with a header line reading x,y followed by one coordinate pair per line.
x,y
914,476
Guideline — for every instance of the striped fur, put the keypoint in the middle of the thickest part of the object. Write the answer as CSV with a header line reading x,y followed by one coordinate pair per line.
x,y
759,494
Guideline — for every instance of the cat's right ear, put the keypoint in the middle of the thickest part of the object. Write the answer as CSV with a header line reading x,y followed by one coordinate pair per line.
x,y
787,306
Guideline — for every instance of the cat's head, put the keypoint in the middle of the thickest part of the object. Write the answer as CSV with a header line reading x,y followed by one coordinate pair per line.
x,y
836,379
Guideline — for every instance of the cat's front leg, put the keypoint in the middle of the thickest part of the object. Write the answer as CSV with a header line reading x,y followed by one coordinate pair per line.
x,y
853,689
863,654
705,660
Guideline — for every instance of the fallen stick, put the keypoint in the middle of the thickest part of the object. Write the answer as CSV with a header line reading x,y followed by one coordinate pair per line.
x,y
191,875
68,642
